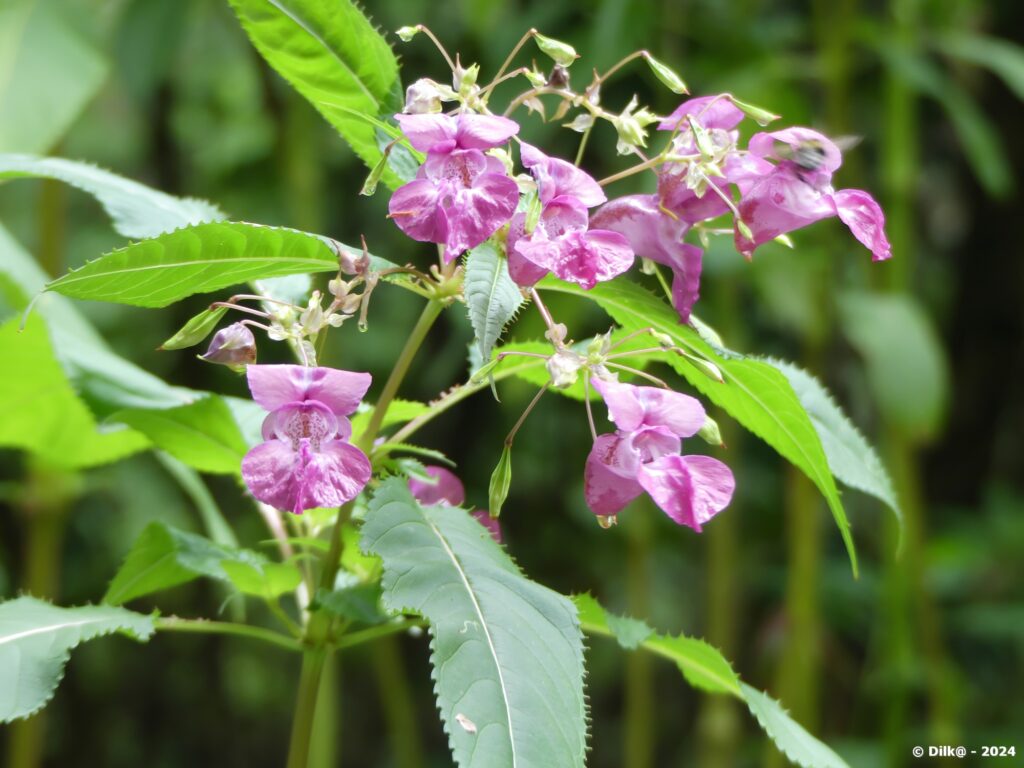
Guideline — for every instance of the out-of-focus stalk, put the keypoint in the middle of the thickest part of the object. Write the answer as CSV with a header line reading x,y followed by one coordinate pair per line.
x,y
639,721
398,705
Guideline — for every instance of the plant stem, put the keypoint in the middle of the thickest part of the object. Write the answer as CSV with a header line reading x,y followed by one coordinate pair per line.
x,y
412,345
382,630
202,626
305,706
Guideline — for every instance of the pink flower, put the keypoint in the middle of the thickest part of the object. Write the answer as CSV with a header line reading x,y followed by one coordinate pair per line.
x,y
305,461
460,196
656,235
563,241
712,112
644,455
798,191
448,491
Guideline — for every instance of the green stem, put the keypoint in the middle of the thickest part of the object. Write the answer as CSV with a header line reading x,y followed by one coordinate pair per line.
x,y
373,633
305,706
639,725
202,626
397,701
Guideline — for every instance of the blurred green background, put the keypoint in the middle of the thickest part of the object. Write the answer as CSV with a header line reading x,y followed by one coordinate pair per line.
x,y
926,353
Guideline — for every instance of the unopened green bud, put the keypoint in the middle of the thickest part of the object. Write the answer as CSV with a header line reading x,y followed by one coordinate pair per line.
x,y
537,80
666,75
562,53
710,433
196,329
501,480
758,115
405,34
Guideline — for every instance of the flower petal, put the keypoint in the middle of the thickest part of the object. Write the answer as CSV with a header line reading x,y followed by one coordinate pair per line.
x,y
609,481
827,157
780,203
631,407
334,475
429,131
689,489
488,522
709,111
484,131
447,490
474,214
413,207
556,177
269,471
273,386
859,211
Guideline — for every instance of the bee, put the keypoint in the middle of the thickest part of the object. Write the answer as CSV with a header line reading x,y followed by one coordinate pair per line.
x,y
809,155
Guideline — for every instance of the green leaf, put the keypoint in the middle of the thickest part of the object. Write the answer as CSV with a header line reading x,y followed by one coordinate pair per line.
x,y
906,366
203,434
852,460
216,527
492,296
40,411
1004,58
666,74
163,557
199,259
36,640
754,393
789,736
334,57
355,602
266,580
48,74
399,411
136,210
705,668
701,664
507,653
196,329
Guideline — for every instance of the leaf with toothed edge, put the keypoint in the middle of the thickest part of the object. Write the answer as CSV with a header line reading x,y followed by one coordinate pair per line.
x,y
136,210
754,393
199,259
507,653
492,296
789,736
36,640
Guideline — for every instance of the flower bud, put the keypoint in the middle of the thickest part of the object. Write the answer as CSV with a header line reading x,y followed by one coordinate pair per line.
x,y
562,53
559,77
351,261
564,368
501,481
710,432
351,303
405,34
234,346
556,334
422,97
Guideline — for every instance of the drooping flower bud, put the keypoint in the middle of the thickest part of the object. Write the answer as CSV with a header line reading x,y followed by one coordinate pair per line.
x,y
422,97
564,368
351,261
710,433
234,346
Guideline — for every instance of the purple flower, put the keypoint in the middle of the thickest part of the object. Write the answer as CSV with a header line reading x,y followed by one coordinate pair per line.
x,y
460,196
448,491
563,242
644,455
712,112
234,346
305,461
798,191
654,234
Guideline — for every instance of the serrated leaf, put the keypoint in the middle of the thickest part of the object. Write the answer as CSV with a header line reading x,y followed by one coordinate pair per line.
x,y
48,74
334,57
852,460
754,393
507,653
36,640
492,296
136,210
199,259
203,434
196,329
163,557
789,736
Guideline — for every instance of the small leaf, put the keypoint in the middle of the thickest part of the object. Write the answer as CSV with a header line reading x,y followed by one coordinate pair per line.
x,y
507,653
163,557
196,329
266,580
199,259
36,640
137,211
501,481
492,296
852,460
356,602
562,53
666,75
789,736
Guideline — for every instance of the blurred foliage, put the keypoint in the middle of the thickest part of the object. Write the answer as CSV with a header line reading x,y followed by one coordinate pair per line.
x,y
926,353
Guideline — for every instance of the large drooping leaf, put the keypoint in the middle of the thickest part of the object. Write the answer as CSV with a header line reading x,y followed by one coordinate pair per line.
x,y
754,393
203,434
48,73
507,652
39,410
1003,57
789,736
36,640
704,667
163,557
199,259
852,460
492,296
331,54
906,365
137,211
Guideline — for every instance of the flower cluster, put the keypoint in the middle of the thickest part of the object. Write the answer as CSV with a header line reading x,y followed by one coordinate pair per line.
x,y
644,454
305,460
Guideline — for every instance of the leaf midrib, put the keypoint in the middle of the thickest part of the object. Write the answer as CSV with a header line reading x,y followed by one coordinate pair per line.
x,y
52,628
